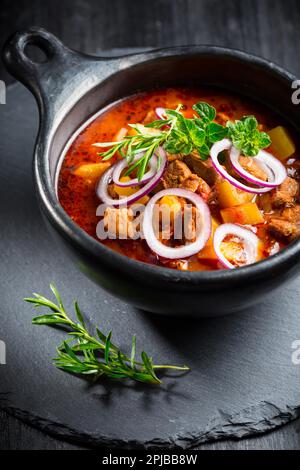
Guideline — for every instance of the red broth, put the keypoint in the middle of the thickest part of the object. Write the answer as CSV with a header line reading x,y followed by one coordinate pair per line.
x,y
77,195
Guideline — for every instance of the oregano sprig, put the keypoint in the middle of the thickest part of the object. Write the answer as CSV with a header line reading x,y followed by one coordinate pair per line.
x,y
180,135
90,354
246,136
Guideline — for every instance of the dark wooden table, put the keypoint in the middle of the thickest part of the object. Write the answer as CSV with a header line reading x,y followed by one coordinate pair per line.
x,y
269,28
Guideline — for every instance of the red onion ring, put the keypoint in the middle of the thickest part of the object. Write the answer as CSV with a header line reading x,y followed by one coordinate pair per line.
x,y
186,250
119,167
273,168
226,144
161,113
102,193
249,238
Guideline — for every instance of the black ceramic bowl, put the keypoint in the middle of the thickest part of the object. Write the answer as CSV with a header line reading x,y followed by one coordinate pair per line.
x,y
70,87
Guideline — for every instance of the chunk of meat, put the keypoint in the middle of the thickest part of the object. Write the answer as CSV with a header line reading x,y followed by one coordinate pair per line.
x,y
281,229
118,222
250,165
286,194
191,183
175,174
234,252
287,224
181,264
111,191
292,214
174,156
202,168
178,175
204,189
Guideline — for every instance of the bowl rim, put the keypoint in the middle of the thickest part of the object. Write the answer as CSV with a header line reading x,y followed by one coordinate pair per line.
x,y
286,258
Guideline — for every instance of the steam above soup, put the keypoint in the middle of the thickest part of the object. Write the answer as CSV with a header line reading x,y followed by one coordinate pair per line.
x,y
190,179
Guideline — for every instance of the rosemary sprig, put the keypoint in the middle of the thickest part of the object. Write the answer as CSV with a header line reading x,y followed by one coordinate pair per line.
x,y
177,134
146,141
95,355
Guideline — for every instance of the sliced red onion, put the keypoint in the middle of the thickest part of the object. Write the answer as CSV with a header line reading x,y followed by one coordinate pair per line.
x,y
274,169
226,144
185,250
102,192
249,239
161,113
119,167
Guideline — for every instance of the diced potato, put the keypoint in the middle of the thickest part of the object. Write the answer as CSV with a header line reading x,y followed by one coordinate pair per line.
x,y
173,206
230,196
282,142
233,252
129,190
245,214
91,171
208,251
124,191
143,200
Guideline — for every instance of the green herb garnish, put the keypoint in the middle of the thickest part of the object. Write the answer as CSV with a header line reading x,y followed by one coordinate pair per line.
x,y
177,134
246,136
197,134
94,355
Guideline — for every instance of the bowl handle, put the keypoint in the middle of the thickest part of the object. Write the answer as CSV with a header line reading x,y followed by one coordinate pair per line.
x,y
63,71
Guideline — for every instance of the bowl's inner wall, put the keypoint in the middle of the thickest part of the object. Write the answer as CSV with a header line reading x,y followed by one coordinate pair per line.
x,y
248,77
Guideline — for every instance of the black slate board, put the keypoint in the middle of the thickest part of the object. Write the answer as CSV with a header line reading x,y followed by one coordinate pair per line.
x,y
242,381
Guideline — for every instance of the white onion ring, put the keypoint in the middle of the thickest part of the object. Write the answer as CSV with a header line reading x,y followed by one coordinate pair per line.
x,y
161,113
186,250
102,193
249,239
273,168
226,144
119,167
